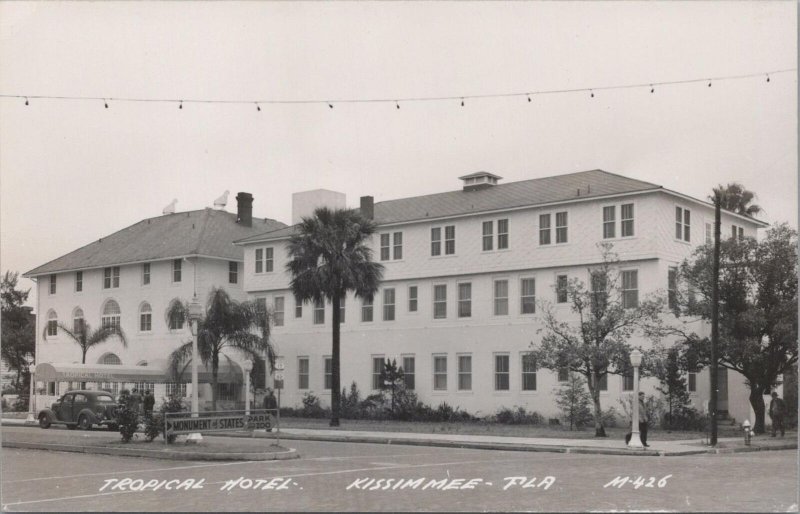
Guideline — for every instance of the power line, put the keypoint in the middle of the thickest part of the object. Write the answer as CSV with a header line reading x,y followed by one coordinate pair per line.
x,y
396,101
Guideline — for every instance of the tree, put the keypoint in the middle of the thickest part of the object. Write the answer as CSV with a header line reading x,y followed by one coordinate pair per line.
x,y
392,379
328,257
735,198
574,401
669,369
86,338
757,309
594,341
17,328
226,324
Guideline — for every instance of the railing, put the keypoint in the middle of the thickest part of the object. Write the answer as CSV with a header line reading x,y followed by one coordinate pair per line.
x,y
222,421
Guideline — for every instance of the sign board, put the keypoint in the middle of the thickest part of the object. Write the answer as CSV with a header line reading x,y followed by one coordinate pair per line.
x,y
279,376
278,384
220,423
280,366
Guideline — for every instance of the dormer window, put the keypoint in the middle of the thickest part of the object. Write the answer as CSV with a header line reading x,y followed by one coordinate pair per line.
x,y
479,180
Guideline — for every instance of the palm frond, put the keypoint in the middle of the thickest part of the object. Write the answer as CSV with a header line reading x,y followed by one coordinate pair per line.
x,y
179,359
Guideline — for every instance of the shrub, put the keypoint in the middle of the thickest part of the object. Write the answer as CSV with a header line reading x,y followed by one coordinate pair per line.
x,y
573,401
687,418
653,405
517,416
155,424
350,403
610,417
312,407
127,416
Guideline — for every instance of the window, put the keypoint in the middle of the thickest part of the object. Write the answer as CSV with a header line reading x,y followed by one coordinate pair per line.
x,y
51,389
175,389
388,304
278,309
603,381
302,372
501,373
709,233
328,375
52,323
627,380
145,318
177,264
412,299
692,383
599,290
436,241
528,372
544,229
385,247
146,273
261,304
563,374
233,272
377,372
397,249
177,322
500,297
111,315
672,288
630,289
52,284
609,222
408,371
440,373
561,227
111,359
528,296
488,235
77,321
111,277
561,289
78,281
626,220
298,308
502,234
465,300
319,312
440,301
366,309
464,372
450,240
227,392
112,387
737,233
682,224
342,309
264,260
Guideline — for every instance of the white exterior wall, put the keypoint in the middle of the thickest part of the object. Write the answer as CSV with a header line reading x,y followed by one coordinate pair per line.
x,y
652,251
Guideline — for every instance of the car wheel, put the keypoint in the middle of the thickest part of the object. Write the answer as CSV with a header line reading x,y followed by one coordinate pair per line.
x,y
44,421
84,423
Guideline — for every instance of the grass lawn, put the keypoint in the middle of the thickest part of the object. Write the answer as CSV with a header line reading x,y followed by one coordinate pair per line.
x,y
483,428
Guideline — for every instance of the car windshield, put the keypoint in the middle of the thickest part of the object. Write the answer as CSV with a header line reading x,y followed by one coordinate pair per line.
x,y
104,398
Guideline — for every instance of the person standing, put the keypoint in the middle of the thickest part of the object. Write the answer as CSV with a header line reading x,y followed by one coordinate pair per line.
x,y
643,420
777,410
148,402
136,400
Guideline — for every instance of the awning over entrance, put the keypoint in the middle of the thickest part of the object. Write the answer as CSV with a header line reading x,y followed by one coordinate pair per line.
x,y
63,372
227,372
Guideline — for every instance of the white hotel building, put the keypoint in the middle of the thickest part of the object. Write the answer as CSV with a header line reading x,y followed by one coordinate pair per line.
x,y
457,306
463,273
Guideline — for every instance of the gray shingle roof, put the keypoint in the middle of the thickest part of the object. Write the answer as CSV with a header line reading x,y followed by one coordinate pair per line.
x,y
206,232
594,183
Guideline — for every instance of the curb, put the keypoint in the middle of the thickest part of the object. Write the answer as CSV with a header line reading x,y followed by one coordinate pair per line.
x,y
155,454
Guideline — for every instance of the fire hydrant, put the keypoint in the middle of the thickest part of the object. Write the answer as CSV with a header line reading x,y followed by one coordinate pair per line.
x,y
747,432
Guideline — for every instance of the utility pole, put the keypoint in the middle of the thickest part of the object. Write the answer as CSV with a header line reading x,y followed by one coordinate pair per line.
x,y
712,407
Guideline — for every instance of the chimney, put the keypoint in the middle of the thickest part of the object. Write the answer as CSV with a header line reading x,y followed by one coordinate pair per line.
x,y
368,207
244,213
479,180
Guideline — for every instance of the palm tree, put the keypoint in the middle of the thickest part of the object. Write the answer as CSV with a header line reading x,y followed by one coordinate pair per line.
x,y
329,256
735,198
86,338
226,324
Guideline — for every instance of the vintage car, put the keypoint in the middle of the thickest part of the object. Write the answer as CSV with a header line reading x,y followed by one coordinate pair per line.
x,y
81,409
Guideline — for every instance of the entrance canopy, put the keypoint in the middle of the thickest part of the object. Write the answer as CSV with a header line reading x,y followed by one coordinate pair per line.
x,y
63,372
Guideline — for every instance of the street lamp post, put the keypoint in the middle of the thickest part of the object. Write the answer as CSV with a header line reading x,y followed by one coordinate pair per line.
x,y
195,313
248,367
636,441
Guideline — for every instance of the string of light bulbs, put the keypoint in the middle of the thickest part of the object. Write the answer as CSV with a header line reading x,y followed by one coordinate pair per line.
x,y
397,101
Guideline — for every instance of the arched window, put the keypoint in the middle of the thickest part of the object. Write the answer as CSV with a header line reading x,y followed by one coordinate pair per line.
x,y
77,320
52,323
142,363
174,324
111,314
110,358
145,318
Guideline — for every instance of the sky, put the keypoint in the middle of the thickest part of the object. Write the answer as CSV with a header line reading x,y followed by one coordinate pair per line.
x,y
73,171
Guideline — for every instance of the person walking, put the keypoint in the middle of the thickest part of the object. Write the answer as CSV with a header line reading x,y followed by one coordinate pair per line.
x,y
643,420
148,402
777,410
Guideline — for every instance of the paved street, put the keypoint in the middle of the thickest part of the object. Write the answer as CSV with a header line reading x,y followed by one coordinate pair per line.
x,y
433,479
